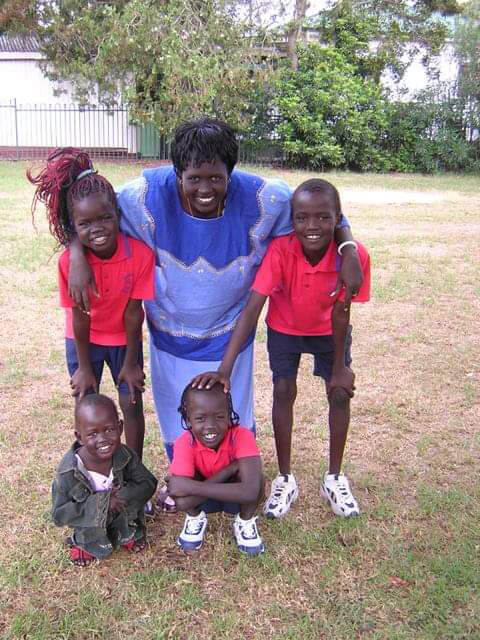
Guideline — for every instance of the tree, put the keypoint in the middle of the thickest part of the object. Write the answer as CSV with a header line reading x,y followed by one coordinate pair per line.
x,y
331,115
18,16
168,60
293,30
381,34
467,51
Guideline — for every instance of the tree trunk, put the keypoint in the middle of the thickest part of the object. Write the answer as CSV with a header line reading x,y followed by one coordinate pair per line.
x,y
294,30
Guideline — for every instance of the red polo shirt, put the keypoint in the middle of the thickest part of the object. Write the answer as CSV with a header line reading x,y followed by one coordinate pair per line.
x,y
299,293
128,274
190,455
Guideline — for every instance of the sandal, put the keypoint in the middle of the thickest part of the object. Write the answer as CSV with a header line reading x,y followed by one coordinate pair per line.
x,y
148,510
135,545
80,557
165,503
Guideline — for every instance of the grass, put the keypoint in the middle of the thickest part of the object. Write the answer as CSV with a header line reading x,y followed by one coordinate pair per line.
x,y
408,568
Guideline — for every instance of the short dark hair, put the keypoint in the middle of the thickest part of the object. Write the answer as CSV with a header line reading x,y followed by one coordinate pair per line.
x,y
322,186
94,400
203,140
216,388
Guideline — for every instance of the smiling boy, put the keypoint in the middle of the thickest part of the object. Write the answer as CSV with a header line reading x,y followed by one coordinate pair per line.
x,y
101,487
305,315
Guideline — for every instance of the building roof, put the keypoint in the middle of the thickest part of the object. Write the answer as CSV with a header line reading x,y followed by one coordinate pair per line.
x,y
18,44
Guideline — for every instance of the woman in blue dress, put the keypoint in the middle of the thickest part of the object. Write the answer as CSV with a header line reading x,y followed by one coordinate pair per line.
x,y
209,226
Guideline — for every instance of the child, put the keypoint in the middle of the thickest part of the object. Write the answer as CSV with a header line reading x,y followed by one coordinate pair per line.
x,y
101,487
216,459
81,202
298,275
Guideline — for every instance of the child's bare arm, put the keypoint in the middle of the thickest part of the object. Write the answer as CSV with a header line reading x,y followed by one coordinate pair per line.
x,y
190,502
80,276
351,274
247,321
244,491
83,379
131,372
342,376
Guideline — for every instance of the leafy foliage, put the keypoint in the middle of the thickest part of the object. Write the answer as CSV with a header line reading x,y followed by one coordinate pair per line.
x,y
332,115
467,49
381,34
18,16
426,135
174,59
168,60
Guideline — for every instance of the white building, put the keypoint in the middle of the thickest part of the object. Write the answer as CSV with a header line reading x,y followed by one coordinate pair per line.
x,y
35,115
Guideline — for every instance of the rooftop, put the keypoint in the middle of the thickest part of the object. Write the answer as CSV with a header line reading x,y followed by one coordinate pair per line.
x,y
18,44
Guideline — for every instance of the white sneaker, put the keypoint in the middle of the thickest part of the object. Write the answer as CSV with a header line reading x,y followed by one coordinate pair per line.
x,y
193,532
283,493
336,490
247,537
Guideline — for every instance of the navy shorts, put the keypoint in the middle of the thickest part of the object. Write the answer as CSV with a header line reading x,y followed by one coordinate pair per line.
x,y
99,355
284,351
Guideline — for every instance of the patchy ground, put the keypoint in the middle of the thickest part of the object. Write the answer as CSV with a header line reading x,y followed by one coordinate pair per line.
x,y
407,568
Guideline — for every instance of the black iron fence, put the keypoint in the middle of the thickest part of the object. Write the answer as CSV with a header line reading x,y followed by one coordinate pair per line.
x,y
30,131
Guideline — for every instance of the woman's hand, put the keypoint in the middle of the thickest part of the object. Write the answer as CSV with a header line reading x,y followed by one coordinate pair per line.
x,y
209,378
350,276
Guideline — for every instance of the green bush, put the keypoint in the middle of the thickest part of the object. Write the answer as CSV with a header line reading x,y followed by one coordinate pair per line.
x,y
428,136
331,116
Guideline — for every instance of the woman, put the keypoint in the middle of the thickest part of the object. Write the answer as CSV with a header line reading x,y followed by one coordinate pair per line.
x,y
209,227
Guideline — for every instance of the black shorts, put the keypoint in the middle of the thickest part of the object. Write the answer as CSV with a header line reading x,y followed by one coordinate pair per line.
x,y
284,351
99,354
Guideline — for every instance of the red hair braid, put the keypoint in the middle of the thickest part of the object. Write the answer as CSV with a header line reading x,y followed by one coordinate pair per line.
x,y
57,186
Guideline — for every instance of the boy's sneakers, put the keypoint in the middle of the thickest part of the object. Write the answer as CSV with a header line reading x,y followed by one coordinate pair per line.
x,y
283,494
247,536
193,532
336,490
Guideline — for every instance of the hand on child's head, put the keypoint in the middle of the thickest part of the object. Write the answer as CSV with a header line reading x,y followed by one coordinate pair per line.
x,y
208,379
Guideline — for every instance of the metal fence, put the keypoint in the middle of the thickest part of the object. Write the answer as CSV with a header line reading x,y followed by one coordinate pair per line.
x,y
31,131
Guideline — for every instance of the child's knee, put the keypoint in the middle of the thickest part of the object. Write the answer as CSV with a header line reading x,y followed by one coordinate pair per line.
x,y
130,409
285,390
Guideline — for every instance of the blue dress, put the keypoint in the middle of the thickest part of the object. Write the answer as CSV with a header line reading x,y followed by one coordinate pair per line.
x,y
204,270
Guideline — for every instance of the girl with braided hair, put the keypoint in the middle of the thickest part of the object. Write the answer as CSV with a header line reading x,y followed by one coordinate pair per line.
x,y
216,467
80,203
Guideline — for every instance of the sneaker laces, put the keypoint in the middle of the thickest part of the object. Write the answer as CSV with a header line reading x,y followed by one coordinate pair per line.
x,y
280,487
343,487
193,525
249,528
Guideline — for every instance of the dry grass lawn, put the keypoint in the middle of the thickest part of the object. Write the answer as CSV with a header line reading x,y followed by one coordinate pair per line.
x,y
409,567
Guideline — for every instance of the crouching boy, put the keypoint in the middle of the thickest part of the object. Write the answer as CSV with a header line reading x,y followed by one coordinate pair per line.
x,y
101,486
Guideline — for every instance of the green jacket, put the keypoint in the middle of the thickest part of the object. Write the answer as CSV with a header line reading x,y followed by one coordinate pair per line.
x,y
75,504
